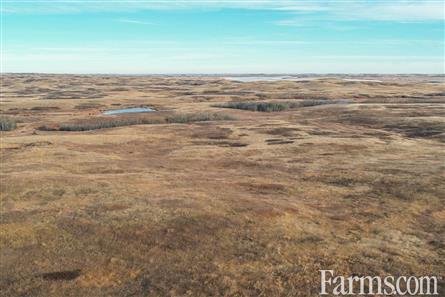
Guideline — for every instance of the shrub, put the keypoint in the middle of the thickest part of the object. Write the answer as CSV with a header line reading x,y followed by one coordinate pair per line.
x,y
277,106
7,124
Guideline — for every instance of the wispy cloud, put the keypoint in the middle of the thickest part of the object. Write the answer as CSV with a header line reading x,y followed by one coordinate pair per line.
x,y
67,49
63,6
396,10
233,43
411,11
136,22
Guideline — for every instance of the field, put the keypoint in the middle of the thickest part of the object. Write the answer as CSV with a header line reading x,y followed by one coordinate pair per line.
x,y
197,199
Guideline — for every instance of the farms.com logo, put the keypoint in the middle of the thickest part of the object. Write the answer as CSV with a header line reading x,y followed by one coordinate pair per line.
x,y
330,284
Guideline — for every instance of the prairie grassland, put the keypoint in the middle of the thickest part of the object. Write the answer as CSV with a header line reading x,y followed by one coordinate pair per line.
x,y
247,207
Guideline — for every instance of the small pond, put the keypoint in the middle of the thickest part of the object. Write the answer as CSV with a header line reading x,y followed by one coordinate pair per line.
x,y
128,110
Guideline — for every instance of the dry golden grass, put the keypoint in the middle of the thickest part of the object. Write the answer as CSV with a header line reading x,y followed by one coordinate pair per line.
x,y
252,207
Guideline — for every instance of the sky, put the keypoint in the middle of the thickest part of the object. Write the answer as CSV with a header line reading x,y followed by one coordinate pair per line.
x,y
227,36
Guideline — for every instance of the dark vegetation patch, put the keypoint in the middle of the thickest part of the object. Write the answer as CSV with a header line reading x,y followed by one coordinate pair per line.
x,y
381,187
88,125
38,143
213,133
320,132
7,123
30,91
198,117
277,106
65,275
406,126
88,105
234,144
399,188
361,119
120,89
286,94
283,131
402,100
311,239
44,195
14,111
44,108
222,143
83,94
264,188
436,94
120,122
340,181
227,92
278,141
418,129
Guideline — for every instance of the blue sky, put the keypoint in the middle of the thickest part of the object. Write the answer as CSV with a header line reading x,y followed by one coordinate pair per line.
x,y
245,36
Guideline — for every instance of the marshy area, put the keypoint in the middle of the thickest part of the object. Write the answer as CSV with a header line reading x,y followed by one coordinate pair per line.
x,y
228,188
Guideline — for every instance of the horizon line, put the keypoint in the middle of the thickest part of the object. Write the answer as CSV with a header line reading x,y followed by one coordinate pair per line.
x,y
228,73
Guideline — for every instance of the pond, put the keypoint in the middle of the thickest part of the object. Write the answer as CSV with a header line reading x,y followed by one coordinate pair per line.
x,y
128,110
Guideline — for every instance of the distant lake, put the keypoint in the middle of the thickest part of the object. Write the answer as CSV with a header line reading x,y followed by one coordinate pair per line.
x,y
128,110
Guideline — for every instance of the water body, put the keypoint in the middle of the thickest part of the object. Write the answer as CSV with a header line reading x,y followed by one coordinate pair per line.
x,y
128,110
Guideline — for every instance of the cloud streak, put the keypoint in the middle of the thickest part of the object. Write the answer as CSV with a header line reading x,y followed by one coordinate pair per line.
x,y
396,10
136,22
